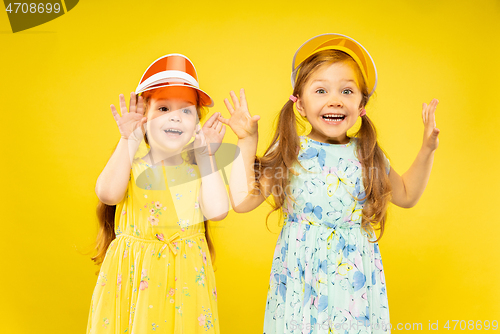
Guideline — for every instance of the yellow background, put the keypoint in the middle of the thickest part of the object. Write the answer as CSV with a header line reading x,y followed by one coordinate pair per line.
x,y
441,258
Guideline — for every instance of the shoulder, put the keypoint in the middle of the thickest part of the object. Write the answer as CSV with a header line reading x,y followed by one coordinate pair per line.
x,y
303,141
386,162
138,166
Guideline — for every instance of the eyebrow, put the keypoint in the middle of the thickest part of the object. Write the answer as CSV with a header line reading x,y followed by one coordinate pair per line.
x,y
350,80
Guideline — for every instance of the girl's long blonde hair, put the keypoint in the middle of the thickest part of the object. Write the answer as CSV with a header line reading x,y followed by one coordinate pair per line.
x,y
286,139
106,213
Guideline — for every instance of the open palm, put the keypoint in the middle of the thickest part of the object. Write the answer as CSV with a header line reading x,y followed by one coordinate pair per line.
x,y
431,133
210,137
241,122
130,122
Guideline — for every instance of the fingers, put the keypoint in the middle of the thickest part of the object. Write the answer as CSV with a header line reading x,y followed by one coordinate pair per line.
x,y
218,127
132,102
224,120
433,111
229,106
243,99
431,116
210,122
428,112
428,115
215,122
123,105
235,100
140,105
424,112
116,116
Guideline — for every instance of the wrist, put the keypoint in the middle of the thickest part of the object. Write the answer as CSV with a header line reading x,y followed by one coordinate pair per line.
x,y
427,151
204,157
249,139
206,164
130,140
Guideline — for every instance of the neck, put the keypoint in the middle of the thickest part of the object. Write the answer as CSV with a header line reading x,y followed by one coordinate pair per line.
x,y
343,139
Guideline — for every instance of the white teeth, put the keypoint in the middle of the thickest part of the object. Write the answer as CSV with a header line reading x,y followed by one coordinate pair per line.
x,y
174,131
336,117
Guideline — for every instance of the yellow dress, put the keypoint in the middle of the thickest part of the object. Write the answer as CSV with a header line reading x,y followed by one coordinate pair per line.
x,y
157,275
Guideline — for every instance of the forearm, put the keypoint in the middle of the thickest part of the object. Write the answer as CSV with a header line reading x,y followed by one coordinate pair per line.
x,y
213,194
112,182
242,179
417,176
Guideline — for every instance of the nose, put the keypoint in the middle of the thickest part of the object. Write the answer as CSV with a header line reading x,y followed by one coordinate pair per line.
x,y
335,101
174,116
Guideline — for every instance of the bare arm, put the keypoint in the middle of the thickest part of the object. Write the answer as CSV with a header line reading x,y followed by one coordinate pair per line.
x,y
408,188
213,195
112,183
242,180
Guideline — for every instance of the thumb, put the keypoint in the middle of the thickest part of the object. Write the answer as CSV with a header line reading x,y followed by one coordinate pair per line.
x,y
255,118
435,132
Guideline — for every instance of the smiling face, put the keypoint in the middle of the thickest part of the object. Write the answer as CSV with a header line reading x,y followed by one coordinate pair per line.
x,y
331,102
172,118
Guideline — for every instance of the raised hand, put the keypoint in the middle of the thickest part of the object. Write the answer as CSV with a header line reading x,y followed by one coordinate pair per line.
x,y
431,133
208,140
130,123
241,122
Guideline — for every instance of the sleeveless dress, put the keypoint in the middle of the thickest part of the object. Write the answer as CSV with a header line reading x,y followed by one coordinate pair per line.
x,y
326,276
157,275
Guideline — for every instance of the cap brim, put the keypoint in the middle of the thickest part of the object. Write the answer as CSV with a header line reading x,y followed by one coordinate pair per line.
x,y
342,43
205,99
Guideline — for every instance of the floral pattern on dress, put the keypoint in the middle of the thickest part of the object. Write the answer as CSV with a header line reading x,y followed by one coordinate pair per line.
x,y
326,276
157,275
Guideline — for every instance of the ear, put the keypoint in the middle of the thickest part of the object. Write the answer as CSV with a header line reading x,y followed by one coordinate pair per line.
x,y
300,107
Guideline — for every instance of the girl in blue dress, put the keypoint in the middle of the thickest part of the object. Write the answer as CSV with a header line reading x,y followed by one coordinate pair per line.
x,y
327,274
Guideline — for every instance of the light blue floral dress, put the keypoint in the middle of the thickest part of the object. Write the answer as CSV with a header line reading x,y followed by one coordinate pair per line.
x,y
326,276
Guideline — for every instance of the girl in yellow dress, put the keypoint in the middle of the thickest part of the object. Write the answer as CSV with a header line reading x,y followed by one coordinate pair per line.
x,y
156,272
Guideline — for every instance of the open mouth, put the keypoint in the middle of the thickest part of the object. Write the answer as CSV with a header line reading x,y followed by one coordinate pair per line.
x,y
173,132
334,117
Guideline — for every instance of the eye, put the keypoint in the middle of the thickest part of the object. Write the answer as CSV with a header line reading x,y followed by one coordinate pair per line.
x,y
163,108
347,90
320,91
186,110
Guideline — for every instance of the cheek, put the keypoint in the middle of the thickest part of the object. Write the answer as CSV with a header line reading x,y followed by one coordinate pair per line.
x,y
190,122
155,121
155,115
